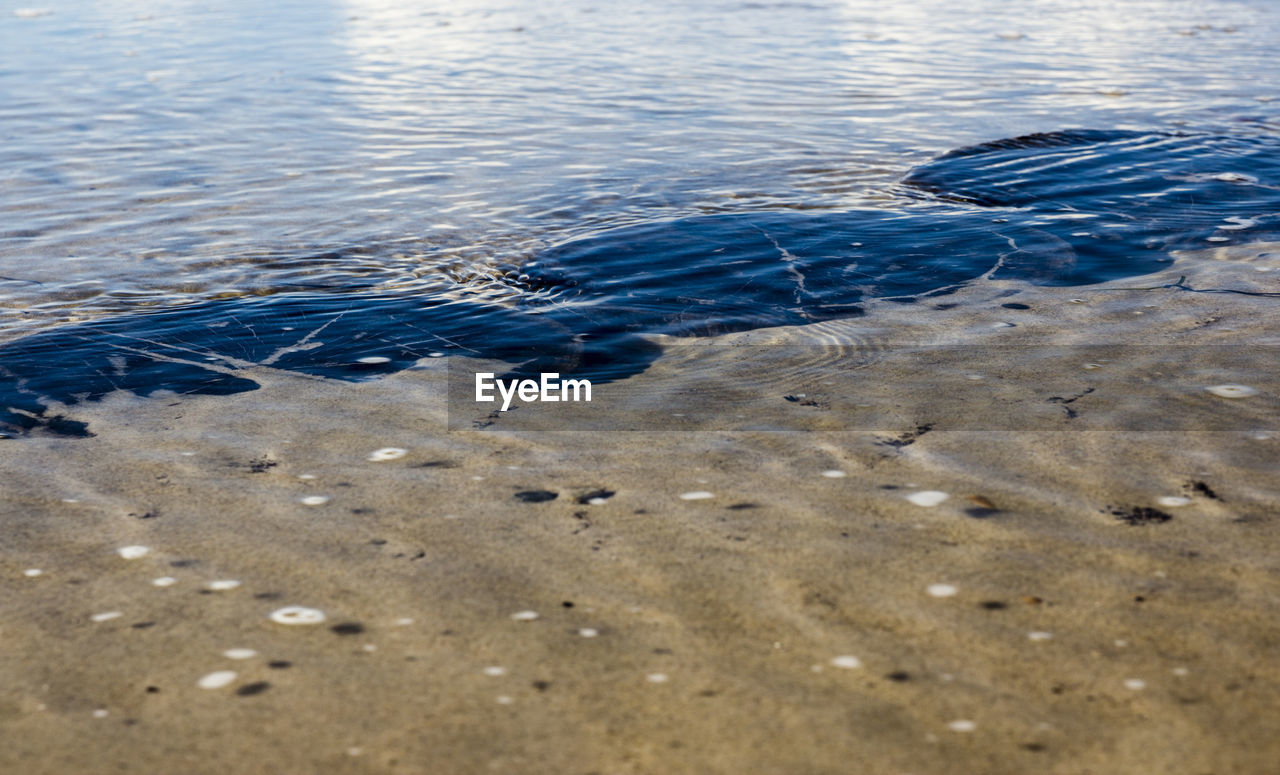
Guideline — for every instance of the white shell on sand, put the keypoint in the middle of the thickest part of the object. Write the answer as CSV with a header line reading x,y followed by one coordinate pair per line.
x,y
164,581
942,590
696,495
221,585
657,678
1173,501
847,662
132,552
239,653
1232,391
296,614
385,454
106,616
314,500
834,474
217,679
524,616
928,498
962,725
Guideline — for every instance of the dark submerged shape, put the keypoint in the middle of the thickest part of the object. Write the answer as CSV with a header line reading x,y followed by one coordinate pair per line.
x,y
1065,208
1121,200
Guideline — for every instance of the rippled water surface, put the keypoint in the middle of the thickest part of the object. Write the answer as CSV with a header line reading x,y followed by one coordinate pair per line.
x,y
608,168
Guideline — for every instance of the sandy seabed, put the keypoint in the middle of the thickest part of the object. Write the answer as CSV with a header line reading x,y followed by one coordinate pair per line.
x,y
1099,601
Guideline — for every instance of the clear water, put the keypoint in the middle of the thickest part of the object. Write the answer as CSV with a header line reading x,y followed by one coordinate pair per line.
x,y
371,152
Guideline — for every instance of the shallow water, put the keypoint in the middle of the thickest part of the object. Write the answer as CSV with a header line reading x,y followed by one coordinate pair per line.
x,y
590,173
179,152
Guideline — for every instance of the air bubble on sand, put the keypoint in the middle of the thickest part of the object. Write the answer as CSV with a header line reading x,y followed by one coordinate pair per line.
x,y
106,616
1135,684
1040,635
696,495
239,653
942,590
386,453
834,474
1173,501
314,500
221,585
296,614
1232,391
132,552
588,632
31,573
495,671
928,498
164,581
847,662
657,678
524,616
217,679
371,359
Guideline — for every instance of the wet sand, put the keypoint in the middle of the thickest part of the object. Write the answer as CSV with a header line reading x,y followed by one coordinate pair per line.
x,y
1081,601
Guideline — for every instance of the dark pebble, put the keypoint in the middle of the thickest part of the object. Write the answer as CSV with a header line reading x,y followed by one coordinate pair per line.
x,y
248,690
535,496
348,628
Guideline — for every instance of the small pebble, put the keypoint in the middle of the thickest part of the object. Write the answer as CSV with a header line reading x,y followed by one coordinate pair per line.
x,y
314,500
355,750
106,616
1040,635
1180,671
1232,391
588,632
386,453
834,474
101,713
942,590
217,679
495,671
962,725
31,573
696,495
239,653
927,497
132,552
524,616
221,585
1173,501
403,621
164,581
597,501
1135,684
847,662
296,614
657,678
503,699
